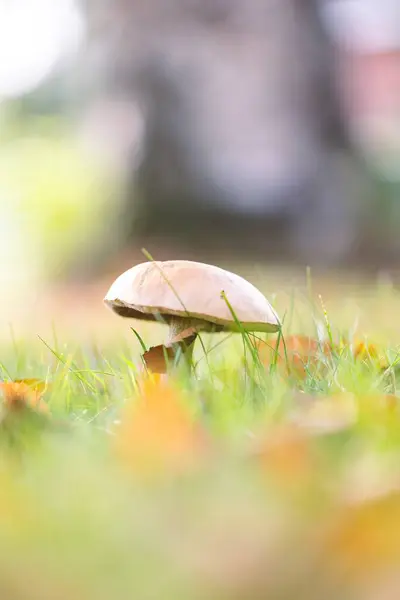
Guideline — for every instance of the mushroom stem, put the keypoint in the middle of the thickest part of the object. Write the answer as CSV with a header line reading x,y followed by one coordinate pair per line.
x,y
187,351
182,335
182,328
183,332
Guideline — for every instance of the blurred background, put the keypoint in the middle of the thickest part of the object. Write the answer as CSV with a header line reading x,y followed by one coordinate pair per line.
x,y
258,131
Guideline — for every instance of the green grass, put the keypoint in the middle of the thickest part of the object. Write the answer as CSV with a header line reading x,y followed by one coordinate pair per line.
x,y
77,522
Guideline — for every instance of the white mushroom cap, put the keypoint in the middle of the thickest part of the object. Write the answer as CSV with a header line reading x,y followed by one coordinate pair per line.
x,y
182,288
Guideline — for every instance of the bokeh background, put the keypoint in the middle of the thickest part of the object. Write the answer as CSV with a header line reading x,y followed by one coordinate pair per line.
x,y
259,132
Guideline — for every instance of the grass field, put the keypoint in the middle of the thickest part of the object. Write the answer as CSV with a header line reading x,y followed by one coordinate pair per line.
x,y
268,473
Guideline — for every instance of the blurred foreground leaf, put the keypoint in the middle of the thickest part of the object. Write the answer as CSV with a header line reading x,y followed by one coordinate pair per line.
x,y
157,431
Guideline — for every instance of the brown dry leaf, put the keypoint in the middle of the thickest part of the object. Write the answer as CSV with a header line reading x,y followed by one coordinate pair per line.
x,y
157,431
296,354
24,392
155,357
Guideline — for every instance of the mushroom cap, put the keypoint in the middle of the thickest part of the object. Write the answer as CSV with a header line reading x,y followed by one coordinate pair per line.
x,y
183,288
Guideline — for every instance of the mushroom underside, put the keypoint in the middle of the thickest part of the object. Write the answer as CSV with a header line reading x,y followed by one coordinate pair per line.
x,y
182,334
210,323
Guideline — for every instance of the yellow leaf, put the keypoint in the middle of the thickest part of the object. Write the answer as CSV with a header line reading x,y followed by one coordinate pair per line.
x,y
369,351
366,538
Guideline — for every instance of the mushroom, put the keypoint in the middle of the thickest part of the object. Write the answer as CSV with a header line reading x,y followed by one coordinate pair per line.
x,y
190,297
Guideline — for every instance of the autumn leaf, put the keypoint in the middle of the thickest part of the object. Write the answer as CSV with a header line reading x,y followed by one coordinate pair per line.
x,y
157,358
369,351
284,452
299,355
157,431
22,393
296,354
362,350
365,538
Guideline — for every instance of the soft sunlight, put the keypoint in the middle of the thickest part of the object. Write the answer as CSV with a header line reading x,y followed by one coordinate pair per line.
x,y
368,25
34,36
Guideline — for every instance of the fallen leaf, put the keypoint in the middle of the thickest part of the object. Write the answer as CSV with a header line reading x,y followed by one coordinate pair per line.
x,y
157,430
364,350
284,452
24,392
295,354
365,538
157,358
369,351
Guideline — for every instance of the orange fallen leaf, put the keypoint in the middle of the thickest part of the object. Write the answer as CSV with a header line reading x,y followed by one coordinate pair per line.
x,y
296,354
299,354
363,350
158,357
366,538
24,392
157,431
285,454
